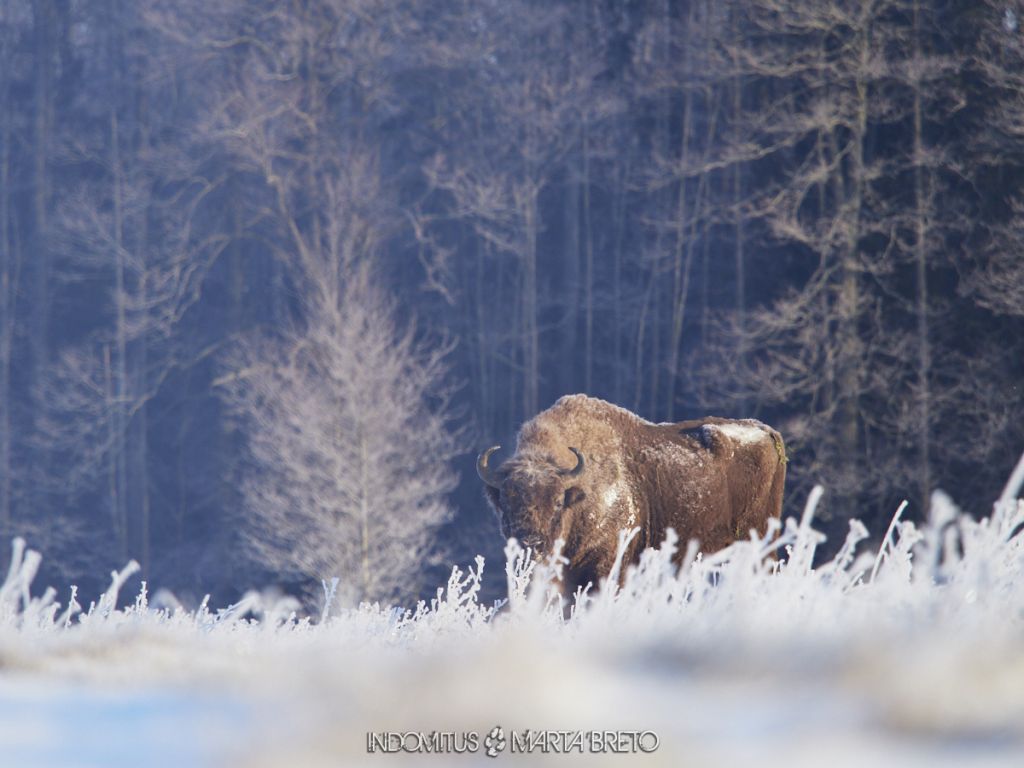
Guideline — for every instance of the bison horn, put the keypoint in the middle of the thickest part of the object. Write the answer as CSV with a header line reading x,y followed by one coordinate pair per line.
x,y
483,470
575,471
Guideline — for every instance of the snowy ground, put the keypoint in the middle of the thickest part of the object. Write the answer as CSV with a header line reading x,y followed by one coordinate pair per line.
x,y
909,656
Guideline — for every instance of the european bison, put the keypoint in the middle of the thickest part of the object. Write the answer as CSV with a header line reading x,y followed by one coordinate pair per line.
x,y
585,469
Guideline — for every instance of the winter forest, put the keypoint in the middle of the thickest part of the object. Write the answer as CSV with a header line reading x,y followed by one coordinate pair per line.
x,y
272,273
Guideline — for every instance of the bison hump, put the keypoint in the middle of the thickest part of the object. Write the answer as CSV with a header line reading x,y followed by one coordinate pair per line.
x,y
705,434
725,436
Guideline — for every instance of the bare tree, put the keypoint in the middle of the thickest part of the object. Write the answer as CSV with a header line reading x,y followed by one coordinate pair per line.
x,y
350,443
97,390
994,278
679,68
523,104
288,106
824,80
12,24
804,212
345,413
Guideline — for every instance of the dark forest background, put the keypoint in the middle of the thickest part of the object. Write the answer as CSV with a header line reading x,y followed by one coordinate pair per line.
x,y
248,248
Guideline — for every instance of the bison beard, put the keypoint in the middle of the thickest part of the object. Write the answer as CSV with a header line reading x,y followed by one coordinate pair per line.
x,y
585,469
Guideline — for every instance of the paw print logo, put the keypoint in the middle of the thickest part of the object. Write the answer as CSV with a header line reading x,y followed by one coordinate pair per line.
x,y
494,742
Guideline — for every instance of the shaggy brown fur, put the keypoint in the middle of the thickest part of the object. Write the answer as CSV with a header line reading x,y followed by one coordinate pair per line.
x,y
711,479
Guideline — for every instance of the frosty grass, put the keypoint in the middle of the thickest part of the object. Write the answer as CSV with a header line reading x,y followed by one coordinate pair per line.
x,y
907,654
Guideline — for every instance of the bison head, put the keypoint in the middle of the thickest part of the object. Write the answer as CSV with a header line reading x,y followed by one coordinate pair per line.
x,y
532,496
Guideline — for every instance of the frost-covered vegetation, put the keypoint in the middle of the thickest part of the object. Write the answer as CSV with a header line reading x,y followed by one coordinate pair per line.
x,y
907,653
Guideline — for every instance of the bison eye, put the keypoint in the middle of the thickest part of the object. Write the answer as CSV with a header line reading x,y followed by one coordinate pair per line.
x,y
573,495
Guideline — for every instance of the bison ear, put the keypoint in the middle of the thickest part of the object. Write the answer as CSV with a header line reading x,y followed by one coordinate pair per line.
x,y
574,495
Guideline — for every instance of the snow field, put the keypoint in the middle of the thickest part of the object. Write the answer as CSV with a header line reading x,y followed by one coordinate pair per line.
x,y
908,654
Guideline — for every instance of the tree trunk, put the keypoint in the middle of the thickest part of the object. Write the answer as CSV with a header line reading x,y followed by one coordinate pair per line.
x,y
573,275
532,374
618,311
364,513
112,476
739,257
140,475
7,291
42,120
851,349
120,372
921,274
485,397
680,271
588,271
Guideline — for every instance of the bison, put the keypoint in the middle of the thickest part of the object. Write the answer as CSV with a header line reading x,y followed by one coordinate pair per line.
x,y
585,469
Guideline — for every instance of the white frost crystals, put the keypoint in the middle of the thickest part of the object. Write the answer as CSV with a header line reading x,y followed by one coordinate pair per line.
x,y
610,495
741,433
888,654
